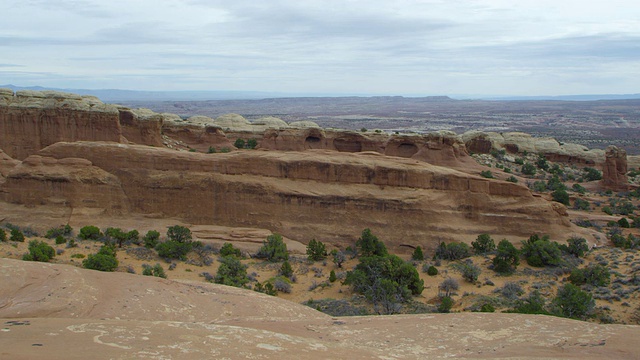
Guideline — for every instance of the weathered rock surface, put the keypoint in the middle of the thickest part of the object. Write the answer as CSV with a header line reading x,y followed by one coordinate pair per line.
x,y
515,142
56,311
614,170
323,194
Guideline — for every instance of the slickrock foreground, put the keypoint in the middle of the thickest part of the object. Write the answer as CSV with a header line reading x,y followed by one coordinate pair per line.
x,y
53,311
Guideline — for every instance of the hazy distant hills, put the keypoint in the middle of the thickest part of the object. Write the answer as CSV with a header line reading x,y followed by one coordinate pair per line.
x,y
117,95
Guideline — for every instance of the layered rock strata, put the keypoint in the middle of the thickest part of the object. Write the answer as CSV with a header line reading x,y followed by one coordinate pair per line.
x,y
318,194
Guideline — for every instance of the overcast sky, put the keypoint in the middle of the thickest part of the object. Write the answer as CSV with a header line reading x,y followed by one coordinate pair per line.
x,y
400,47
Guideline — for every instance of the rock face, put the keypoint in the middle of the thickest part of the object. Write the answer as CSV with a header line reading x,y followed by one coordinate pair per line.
x,y
32,120
614,170
515,142
327,195
47,309
440,148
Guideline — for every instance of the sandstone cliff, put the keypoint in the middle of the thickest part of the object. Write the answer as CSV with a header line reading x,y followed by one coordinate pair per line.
x,y
327,195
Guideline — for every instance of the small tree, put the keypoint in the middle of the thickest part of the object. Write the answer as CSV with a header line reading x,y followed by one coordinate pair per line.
x,y
285,269
594,274
316,250
338,258
239,143
369,245
16,235
179,233
446,303
577,246
172,249
90,232
104,260
432,271
483,244
252,143
332,276
39,251
573,303
528,169
155,270
417,255
561,196
507,258
231,272
229,250
541,252
448,287
151,239
274,249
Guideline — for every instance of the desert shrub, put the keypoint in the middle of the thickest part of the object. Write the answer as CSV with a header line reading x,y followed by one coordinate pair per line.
x,y
486,174
285,269
578,188
452,251
316,250
225,150
469,271
446,303
540,252
577,246
104,260
369,245
39,251
151,239
528,169
572,302
511,179
273,249
179,233
252,143
155,270
417,255
448,287
90,232
239,143
211,150
16,235
542,163
78,256
3,235
561,196
591,174
510,290
228,250
332,276
335,307
483,244
519,161
594,274
231,272
386,281
432,270
623,223
60,240
59,231
338,258
71,243
172,249
533,304
580,204
507,258
282,285
487,308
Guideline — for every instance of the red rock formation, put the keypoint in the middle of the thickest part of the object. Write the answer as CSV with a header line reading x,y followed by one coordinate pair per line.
x,y
323,194
31,120
614,169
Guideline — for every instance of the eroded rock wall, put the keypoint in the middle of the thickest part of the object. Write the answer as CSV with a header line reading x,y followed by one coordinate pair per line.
x,y
614,170
326,195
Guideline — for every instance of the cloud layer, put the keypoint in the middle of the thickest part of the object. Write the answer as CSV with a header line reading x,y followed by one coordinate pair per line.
x,y
430,47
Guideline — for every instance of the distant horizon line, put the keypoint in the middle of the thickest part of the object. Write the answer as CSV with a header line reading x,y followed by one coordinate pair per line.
x,y
202,95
